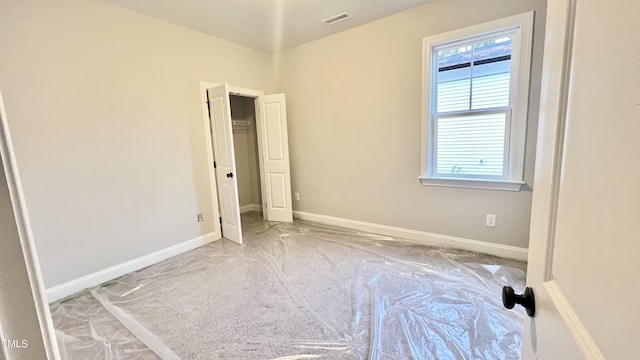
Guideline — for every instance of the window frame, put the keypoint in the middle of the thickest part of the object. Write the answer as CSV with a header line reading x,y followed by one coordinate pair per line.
x,y
521,25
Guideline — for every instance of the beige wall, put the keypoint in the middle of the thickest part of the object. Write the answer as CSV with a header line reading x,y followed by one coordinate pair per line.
x,y
104,107
18,317
354,103
246,151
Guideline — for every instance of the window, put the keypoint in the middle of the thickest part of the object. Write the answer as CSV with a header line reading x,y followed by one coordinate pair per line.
x,y
475,104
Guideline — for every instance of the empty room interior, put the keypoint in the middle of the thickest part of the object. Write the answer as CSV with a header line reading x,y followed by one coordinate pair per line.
x,y
298,179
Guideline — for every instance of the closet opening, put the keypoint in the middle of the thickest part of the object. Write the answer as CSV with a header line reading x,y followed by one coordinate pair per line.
x,y
248,152
245,143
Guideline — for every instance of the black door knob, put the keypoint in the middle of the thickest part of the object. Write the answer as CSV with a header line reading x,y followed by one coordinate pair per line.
x,y
230,175
510,299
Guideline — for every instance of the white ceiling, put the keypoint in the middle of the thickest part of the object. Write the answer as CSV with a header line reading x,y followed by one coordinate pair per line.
x,y
267,25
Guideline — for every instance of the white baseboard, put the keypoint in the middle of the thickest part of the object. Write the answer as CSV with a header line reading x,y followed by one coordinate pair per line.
x,y
250,207
505,251
69,288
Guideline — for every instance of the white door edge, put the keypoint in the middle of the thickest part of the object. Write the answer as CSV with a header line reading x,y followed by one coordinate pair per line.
x,y
260,140
204,86
571,319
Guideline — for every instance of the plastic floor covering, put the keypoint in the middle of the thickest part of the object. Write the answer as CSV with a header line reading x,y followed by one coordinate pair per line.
x,y
300,291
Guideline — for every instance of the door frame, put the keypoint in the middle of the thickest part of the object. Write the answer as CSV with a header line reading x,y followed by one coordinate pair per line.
x,y
27,244
239,91
255,95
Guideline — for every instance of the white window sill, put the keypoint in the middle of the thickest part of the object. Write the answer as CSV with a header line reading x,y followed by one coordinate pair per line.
x,y
504,185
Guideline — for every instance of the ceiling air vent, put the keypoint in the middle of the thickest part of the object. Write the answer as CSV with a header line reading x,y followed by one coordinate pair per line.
x,y
334,19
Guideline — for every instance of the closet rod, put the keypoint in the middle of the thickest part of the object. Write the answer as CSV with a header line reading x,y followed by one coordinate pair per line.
x,y
241,122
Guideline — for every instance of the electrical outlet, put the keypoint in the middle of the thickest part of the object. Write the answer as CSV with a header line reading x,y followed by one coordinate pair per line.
x,y
491,220
296,196
200,217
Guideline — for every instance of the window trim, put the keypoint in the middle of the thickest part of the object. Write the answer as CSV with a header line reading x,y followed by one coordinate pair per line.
x,y
519,101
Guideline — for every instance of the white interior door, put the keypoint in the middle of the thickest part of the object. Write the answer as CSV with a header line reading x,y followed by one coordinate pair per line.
x,y
226,181
585,231
274,153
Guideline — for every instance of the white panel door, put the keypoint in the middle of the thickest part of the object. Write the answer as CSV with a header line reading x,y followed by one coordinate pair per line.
x,y
585,225
226,181
274,152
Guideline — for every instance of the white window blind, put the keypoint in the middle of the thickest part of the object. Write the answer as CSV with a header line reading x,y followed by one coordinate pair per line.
x,y
471,144
491,91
